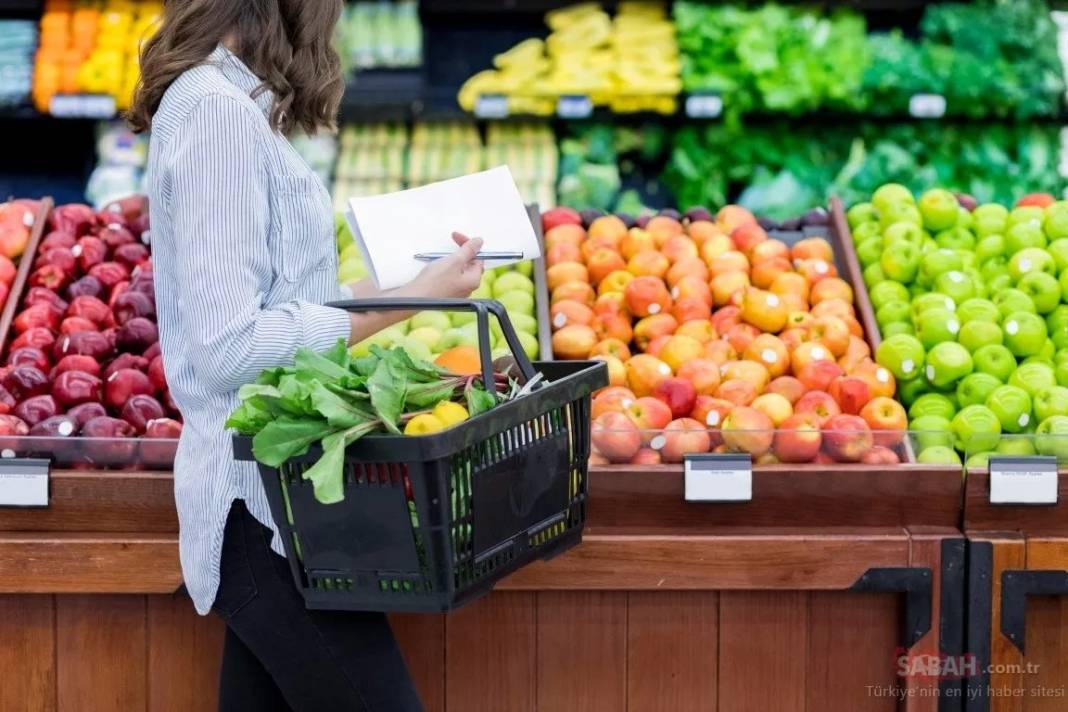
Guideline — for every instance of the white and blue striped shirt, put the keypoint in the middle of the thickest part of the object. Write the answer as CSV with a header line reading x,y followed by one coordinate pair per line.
x,y
244,255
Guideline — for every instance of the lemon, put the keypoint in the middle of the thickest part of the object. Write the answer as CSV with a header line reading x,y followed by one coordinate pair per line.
x,y
425,424
450,413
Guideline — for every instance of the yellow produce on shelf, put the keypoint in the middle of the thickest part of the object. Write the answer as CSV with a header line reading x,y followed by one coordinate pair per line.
x,y
628,63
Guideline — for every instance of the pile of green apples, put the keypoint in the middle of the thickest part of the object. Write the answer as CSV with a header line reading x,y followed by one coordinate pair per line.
x,y
430,333
972,306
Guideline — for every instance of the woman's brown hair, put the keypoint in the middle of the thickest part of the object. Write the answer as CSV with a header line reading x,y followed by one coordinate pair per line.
x,y
287,43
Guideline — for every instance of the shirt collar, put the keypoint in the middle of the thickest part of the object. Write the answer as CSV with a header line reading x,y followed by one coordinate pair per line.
x,y
241,76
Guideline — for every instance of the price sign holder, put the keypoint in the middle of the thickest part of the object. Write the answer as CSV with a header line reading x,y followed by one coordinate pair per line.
x,y
1023,480
82,106
24,482
574,106
704,106
718,478
491,106
927,106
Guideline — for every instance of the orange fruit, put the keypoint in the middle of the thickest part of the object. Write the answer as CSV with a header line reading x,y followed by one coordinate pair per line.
x,y
461,360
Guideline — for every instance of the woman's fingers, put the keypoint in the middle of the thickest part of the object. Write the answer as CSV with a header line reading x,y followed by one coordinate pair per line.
x,y
469,249
459,238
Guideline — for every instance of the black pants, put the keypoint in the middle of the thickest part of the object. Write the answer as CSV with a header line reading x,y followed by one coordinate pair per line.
x,y
280,656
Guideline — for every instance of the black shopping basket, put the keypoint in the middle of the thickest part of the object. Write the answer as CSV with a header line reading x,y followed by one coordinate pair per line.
x,y
430,523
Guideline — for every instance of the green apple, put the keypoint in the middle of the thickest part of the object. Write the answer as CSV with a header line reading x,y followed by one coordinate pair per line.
x,y
873,275
938,262
426,335
1063,282
524,323
1024,235
897,327
892,312
1025,333
1012,406
903,355
903,232
935,326
1010,301
947,363
1055,220
1019,445
518,301
525,268
978,461
484,291
932,404
1043,289
909,391
1031,259
901,261
978,283
529,342
887,292
434,319
899,212
996,360
932,300
976,334
866,231
1060,373
994,267
417,349
461,318
1058,250
890,193
489,277
1048,351
956,238
974,388
939,208
938,455
1033,377
861,213
1026,214
990,219
1051,401
990,247
956,285
512,282
977,309
965,219
869,251
999,283
976,429
450,338
931,431
1051,437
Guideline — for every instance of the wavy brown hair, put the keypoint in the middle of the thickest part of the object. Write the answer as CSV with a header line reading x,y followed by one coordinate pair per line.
x,y
287,43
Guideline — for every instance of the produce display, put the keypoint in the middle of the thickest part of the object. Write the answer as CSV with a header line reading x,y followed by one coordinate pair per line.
x,y
985,58
717,338
84,357
121,156
380,34
334,399
972,305
17,219
92,48
18,42
627,63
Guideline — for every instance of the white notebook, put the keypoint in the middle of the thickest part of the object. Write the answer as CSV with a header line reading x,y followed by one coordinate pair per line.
x,y
391,228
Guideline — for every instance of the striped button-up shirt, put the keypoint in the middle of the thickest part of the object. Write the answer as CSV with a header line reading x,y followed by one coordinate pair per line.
x,y
244,254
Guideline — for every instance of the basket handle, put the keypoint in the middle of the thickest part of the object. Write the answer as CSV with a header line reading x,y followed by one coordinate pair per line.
x,y
482,309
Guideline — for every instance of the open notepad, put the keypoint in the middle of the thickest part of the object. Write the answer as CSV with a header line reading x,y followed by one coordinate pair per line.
x,y
391,228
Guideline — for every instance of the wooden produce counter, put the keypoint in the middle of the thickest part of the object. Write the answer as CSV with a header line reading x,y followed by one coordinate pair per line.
x,y
1018,600
796,600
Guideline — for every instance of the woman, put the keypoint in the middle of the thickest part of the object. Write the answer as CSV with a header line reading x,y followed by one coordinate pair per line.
x,y
242,237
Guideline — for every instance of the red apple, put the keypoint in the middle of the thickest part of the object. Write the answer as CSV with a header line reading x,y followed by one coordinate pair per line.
x,y
880,455
646,456
684,436
851,393
748,430
616,437
650,415
798,439
847,438
818,403
887,419
679,395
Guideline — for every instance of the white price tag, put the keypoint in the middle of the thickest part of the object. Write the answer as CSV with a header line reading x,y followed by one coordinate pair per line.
x,y
23,482
82,106
1023,480
927,106
574,107
491,106
704,106
718,478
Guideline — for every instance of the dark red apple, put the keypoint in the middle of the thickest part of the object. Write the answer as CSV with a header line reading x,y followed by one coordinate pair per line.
x,y
76,387
121,385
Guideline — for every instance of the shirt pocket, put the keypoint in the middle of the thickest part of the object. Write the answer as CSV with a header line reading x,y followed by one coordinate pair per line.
x,y
302,227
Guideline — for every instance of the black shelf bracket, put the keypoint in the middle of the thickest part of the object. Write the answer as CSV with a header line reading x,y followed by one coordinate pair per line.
x,y
979,607
1016,586
915,583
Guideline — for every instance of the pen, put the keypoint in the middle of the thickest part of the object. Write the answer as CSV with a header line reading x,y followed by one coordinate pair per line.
x,y
431,256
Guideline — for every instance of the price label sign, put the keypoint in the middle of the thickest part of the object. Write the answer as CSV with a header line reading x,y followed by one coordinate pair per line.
x,y
82,106
575,106
704,106
1023,480
491,106
718,478
927,106
23,482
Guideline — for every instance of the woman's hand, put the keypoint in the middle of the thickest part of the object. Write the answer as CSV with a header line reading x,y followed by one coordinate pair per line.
x,y
455,276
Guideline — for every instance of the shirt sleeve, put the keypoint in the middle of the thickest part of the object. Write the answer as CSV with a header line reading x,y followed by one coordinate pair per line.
x,y
220,213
